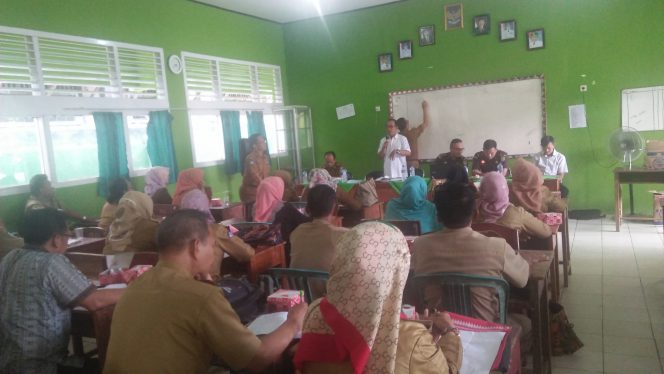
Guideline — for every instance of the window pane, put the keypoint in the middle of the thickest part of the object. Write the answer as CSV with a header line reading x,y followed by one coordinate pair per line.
x,y
74,147
276,133
20,151
244,125
138,141
207,137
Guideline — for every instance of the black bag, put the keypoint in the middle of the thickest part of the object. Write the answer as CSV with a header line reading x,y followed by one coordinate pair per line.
x,y
261,234
246,299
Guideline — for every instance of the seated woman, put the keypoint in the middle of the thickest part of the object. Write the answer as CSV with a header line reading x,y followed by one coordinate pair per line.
x,y
322,176
225,243
116,190
42,195
132,230
494,207
365,333
188,180
268,199
529,192
156,181
289,186
412,205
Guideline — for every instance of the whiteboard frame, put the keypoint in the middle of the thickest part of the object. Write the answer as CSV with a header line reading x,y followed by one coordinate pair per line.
x,y
392,94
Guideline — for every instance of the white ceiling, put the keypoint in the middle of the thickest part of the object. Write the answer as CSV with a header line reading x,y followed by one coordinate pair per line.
x,y
283,11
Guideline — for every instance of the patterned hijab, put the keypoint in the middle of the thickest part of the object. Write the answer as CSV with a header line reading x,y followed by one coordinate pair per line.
x,y
494,196
156,179
412,205
198,200
133,207
358,320
322,176
527,183
188,180
268,198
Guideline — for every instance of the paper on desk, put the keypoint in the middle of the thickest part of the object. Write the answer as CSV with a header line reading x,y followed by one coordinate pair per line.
x,y
267,323
71,241
479,350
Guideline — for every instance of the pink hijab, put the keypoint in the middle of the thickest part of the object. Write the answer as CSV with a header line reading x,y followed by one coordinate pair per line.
x,y
494,196
188,180
268,198
156,179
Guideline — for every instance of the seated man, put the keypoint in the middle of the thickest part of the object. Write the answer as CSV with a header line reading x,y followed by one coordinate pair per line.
x,y
38,289
490,159
459,249
331,165
168,321
551,162
42,195
454,156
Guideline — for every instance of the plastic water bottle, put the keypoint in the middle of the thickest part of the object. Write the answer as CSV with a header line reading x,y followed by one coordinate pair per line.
x,y
411,171
344,174
500,168
304,177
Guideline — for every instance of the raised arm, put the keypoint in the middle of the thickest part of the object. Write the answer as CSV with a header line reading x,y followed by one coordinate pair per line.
x,y
425,114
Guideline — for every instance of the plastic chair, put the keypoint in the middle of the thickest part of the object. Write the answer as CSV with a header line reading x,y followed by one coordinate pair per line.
x,y
457,291
511,236
408,228
298,279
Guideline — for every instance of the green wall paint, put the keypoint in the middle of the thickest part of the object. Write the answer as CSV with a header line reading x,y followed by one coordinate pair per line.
x,y
616,43
175,26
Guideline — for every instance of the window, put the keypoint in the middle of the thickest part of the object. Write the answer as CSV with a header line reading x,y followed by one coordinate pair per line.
x,y
276,133
137,131
74,142
207,138
20,151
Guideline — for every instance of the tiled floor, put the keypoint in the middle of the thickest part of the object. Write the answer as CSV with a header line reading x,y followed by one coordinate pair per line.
x,y
615,298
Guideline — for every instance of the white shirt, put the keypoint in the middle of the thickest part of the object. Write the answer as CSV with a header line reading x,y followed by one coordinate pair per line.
x,y
395,168
551,165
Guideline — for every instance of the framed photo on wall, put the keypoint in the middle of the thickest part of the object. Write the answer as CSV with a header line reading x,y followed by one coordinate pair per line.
x,y
427,35
384,62
535,39
405,49
453,16
481,24
507,30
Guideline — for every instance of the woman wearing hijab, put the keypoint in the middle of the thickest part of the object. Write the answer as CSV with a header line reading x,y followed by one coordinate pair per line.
x,y
116,190
357,327
412,205
188,180
132,230
289,186
529,192
322,176
156,181
268,199
495,207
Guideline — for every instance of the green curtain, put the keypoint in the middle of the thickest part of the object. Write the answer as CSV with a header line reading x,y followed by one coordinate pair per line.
x,y
230,123
160,142
111,151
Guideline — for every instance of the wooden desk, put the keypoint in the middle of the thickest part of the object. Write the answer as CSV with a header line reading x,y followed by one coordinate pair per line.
x,y
87,245
538,282
548,245
265,258
630,177
222,213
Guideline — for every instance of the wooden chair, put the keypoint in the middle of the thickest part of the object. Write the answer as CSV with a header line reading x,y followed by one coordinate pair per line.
x,y
90,264
163,210
408,228
101,319
298,279
89,232
511,236
144,258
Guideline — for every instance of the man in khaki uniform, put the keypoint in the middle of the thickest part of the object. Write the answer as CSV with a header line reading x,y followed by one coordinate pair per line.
x,y
412,134
169,322
256,168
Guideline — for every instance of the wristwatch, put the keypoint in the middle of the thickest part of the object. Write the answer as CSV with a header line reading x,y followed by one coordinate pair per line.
x,y
453,330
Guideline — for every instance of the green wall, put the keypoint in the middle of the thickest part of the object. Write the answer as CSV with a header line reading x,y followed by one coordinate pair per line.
x,y
175,26
617,44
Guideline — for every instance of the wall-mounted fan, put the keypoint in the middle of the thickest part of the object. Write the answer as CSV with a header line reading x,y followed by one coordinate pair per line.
x,y
626,145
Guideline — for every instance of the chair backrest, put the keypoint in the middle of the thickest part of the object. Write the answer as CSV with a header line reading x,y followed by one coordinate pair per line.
x,y
511,236
90,264
456,291
101,319
90,232
144,258
163,210
408,228
373,212
298,279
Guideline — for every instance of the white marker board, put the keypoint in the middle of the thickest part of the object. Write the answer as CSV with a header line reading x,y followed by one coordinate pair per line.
x,y
512,112
643,108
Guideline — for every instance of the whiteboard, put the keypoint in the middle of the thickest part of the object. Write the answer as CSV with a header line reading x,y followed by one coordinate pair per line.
x,y
512,112
643,108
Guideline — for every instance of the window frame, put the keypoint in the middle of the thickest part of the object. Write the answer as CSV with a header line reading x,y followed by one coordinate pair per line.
x,y
203,112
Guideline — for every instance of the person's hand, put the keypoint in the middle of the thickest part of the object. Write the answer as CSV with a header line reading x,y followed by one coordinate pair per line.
x,y
477,172
393,154
203,277
442,320
425,104
296,314
385,144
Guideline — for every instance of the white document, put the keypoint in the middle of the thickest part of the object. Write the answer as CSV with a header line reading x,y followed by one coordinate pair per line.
x,y
345,111
479,350
267,323
577,116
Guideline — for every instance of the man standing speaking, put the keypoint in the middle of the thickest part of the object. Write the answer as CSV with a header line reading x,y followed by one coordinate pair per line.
x,y
394,149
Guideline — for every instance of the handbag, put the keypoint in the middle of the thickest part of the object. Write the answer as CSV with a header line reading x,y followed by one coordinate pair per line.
x,y
261,234
563,338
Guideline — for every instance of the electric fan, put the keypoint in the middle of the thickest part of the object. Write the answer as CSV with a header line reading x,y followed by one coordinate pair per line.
x,y
626,145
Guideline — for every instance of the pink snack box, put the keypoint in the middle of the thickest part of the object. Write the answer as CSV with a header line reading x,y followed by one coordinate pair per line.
x,y
283,300
112,276
551,218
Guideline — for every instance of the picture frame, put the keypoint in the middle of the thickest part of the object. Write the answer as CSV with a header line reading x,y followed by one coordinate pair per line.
x,y
453,16
507,30
427,35
405,49
534,39
481,25
384,62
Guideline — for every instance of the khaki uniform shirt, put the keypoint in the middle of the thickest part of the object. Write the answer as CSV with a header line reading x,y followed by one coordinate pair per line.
x,y
313,245
447,158
469,252
167,322
412,134
231,244
518,219
107,215
256,168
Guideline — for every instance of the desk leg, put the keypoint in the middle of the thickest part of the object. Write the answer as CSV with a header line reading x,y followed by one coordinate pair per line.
x,y
555,274
618,202
546,332
538,338
567,251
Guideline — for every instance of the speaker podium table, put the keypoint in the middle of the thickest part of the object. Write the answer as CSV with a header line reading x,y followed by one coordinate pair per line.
x,y
633,176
